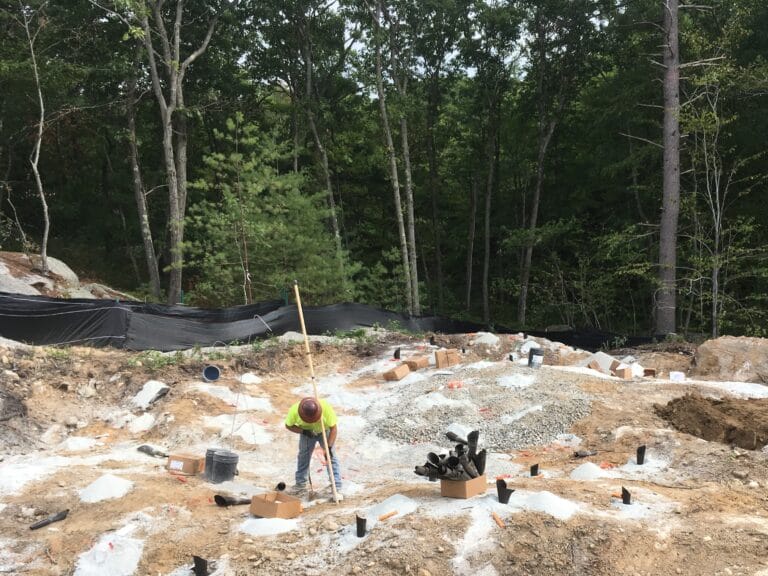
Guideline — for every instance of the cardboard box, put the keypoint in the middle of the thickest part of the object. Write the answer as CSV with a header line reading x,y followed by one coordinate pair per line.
x,y
275,505
625,373
649,372
453,357
397,373
614,365
463,488
417,363
185,464
594,365
441,359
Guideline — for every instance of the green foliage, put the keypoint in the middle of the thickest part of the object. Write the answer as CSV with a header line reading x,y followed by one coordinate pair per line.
x,y
254,217
154,360
474,66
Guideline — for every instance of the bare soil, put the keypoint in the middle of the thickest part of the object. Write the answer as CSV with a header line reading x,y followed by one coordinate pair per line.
x,y
712,522
728,420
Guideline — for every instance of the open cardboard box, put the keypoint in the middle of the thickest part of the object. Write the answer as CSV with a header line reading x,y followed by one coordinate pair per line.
x,y
463,488
275,505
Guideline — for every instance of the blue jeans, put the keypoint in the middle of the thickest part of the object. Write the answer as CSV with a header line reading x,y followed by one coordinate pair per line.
x,y
306,447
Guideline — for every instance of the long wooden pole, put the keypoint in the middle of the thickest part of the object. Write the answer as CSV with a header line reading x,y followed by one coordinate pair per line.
x,y
308,353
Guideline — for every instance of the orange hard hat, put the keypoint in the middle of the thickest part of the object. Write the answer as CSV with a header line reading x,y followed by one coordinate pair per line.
x,y
310,410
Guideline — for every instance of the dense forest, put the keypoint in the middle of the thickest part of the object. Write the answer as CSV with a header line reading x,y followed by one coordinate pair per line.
x,y
519,162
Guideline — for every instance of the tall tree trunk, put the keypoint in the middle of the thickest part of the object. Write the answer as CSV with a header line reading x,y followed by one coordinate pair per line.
x,y
544,138
434,181
307,49
295,131
716,283
174,145
400,80
138,192
670,209
392,160
471,241
492,132
34,158
410,216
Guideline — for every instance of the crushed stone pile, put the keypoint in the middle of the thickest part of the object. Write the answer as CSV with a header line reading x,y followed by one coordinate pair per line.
x,y
499,401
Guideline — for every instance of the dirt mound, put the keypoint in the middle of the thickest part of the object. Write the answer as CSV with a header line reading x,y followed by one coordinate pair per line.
x,y
731,421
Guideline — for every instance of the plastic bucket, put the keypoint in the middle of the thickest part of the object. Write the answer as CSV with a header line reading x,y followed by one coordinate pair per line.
x,y
224,466
535,358
211,373
209,461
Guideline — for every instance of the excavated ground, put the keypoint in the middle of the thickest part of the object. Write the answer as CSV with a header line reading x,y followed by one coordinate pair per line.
x,y
698,507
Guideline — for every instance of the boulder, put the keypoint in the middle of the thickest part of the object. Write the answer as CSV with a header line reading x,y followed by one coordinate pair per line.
x,y
486,339
152,391
65,272
729,358
14,285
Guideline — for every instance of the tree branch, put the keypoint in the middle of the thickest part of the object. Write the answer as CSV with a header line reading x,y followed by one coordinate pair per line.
x,y
651,142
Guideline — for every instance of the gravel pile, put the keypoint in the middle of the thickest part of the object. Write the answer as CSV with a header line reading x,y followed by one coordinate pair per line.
x,y
513,407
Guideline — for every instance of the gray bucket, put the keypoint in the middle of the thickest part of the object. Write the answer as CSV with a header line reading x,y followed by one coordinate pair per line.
x,y
535,357
211,373
224,466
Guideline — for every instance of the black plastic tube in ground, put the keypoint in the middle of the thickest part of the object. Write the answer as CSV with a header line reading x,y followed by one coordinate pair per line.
x,y
502,491
50,520
534,470
626,497
222,500
280,487
361,522
200,567
640,455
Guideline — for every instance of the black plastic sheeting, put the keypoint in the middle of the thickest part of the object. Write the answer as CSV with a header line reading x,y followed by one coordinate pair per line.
x,y
139,326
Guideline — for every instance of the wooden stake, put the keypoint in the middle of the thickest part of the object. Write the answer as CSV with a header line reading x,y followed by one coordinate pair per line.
x,y
314,387
387,515
498,520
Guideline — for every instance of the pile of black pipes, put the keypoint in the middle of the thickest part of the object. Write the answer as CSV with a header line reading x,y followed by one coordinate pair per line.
x,y
464,462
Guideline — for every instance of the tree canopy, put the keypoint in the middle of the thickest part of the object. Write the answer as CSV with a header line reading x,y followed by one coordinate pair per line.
x,y
500,160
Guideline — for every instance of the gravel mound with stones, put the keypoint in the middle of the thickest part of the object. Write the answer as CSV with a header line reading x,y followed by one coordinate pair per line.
x,y
513,407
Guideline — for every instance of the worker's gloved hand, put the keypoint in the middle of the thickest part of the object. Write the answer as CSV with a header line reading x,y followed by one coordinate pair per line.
x,y
309,434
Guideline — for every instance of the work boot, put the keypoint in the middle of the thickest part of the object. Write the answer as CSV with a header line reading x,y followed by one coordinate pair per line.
x,y
298,490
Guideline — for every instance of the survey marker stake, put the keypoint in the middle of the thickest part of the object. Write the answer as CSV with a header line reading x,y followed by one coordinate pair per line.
x,y
308,354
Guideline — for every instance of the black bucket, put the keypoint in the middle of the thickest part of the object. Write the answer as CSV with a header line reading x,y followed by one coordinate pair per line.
x,y
535,358
224,466
209,462
361,522
502,491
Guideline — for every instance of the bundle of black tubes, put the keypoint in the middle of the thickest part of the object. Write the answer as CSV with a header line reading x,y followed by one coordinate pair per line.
x,y
463,463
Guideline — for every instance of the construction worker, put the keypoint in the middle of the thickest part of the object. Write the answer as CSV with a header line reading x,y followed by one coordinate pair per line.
x,y
303,418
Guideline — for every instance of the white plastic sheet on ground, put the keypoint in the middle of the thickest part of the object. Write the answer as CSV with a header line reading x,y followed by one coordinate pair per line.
x,y
114,554
268,526
107,487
